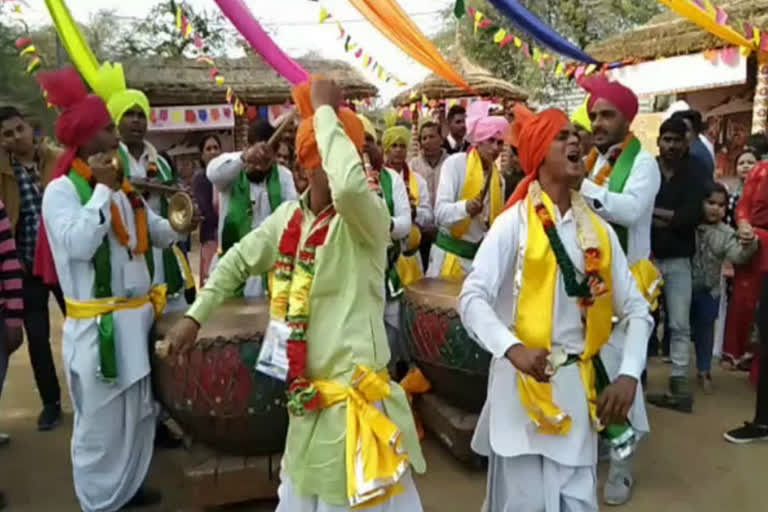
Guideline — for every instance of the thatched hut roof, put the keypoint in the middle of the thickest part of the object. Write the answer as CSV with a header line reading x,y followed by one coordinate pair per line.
x,y
482,82
668,35
187,82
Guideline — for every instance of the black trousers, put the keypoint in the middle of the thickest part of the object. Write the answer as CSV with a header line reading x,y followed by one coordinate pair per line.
x,y
761,410
38,328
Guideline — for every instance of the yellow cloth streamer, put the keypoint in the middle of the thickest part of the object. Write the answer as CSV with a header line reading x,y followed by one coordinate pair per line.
x,y
649,281
473,187
408,267
84,310
375,459
534,320
189,278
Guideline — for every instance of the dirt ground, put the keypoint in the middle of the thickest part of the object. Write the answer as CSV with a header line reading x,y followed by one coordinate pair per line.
x,y
685,465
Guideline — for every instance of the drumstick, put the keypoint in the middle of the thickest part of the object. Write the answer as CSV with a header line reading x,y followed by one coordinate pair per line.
x,y
280,129
162,348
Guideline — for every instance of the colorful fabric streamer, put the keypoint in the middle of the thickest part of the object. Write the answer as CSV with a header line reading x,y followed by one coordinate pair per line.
x,y
713,20
394,23
77,48
525,20
251,30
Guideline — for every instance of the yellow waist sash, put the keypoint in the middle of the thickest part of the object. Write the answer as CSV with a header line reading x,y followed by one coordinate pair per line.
x,y
649,281
473,187
375,459
533,325
86,309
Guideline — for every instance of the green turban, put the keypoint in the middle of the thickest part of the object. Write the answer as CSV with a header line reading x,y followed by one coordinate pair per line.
x,y
123,101
394,135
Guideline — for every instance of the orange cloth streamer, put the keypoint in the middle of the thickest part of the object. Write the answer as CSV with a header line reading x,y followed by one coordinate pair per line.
x,y
535,134
394,23
415,383
307,152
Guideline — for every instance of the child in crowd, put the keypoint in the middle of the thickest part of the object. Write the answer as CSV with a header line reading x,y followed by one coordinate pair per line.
x,y
716,242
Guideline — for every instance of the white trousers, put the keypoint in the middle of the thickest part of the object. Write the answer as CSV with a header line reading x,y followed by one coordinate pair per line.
x,y
532,483
112,446
407,501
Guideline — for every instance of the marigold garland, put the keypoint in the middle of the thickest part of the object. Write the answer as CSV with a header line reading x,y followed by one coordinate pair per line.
x,y
605,172
593,284
290,302
139,211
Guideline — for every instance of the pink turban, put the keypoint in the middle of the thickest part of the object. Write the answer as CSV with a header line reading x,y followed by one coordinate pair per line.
x,y
614,93
481,126
81,117
535,135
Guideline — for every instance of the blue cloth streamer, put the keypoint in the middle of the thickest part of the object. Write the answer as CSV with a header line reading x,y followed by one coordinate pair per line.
x,y
525,20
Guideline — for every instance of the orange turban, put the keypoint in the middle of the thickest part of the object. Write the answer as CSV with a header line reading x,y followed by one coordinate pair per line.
x,y
522,116
535,135
306,146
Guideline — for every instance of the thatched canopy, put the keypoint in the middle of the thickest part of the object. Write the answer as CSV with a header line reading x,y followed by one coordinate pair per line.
x,y
187,82
482,82
668,35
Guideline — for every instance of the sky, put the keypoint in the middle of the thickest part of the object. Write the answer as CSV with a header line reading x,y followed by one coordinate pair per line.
x,y
295,28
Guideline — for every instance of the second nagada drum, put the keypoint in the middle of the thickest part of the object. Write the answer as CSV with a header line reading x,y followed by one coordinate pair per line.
x,y
455,364
214,392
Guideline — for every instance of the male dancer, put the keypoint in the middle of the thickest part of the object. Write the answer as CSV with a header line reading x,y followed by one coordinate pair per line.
x,y
621,186
331,249
541,297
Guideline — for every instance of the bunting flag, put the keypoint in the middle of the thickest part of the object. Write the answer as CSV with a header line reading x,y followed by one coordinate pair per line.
x,y
525,20
394,23
544,60
367,59
716,21
185,28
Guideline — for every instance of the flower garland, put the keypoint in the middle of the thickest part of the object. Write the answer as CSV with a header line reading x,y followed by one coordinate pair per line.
x,y
593,284
290,302
613,157
139,211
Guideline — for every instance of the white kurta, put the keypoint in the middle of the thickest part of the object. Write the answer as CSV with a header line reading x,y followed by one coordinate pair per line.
x,y
223,171
139,170
114,425
401,228
633,209
450,209
487,306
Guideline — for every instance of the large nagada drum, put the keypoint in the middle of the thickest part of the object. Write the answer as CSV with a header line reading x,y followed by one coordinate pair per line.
x,y
455,364
215,392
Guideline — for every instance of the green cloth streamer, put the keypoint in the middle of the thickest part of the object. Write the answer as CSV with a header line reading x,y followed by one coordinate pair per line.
x,y
239,218
394,285
460,248
621,170
102,289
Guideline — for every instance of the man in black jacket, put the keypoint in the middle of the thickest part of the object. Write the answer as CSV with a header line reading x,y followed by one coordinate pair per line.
x,y
673,241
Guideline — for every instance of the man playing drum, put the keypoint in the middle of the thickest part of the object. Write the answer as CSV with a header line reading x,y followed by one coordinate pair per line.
x,y
541,297
251,186
99,230
470,195
327,307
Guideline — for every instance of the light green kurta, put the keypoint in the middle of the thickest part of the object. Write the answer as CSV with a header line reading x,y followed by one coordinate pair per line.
x,y
346,326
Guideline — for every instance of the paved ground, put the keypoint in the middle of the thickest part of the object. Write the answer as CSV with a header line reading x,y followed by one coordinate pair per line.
x,y
684,467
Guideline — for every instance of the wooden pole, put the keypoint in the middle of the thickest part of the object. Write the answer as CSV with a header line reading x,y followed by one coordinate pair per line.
x,y
760,104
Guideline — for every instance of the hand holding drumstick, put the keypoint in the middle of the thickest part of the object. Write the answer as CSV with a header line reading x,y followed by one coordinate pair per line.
x,y
475,206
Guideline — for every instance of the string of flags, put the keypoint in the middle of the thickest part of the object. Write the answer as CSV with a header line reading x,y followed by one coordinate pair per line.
x,y
184,26
25,47
368,61
505,38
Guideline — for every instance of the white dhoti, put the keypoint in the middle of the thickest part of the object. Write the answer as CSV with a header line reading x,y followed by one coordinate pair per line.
x,y
407,501
112,446
533,483
437,258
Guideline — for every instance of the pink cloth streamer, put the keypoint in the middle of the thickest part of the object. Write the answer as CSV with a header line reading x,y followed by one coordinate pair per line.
x,y
251,30
481,126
